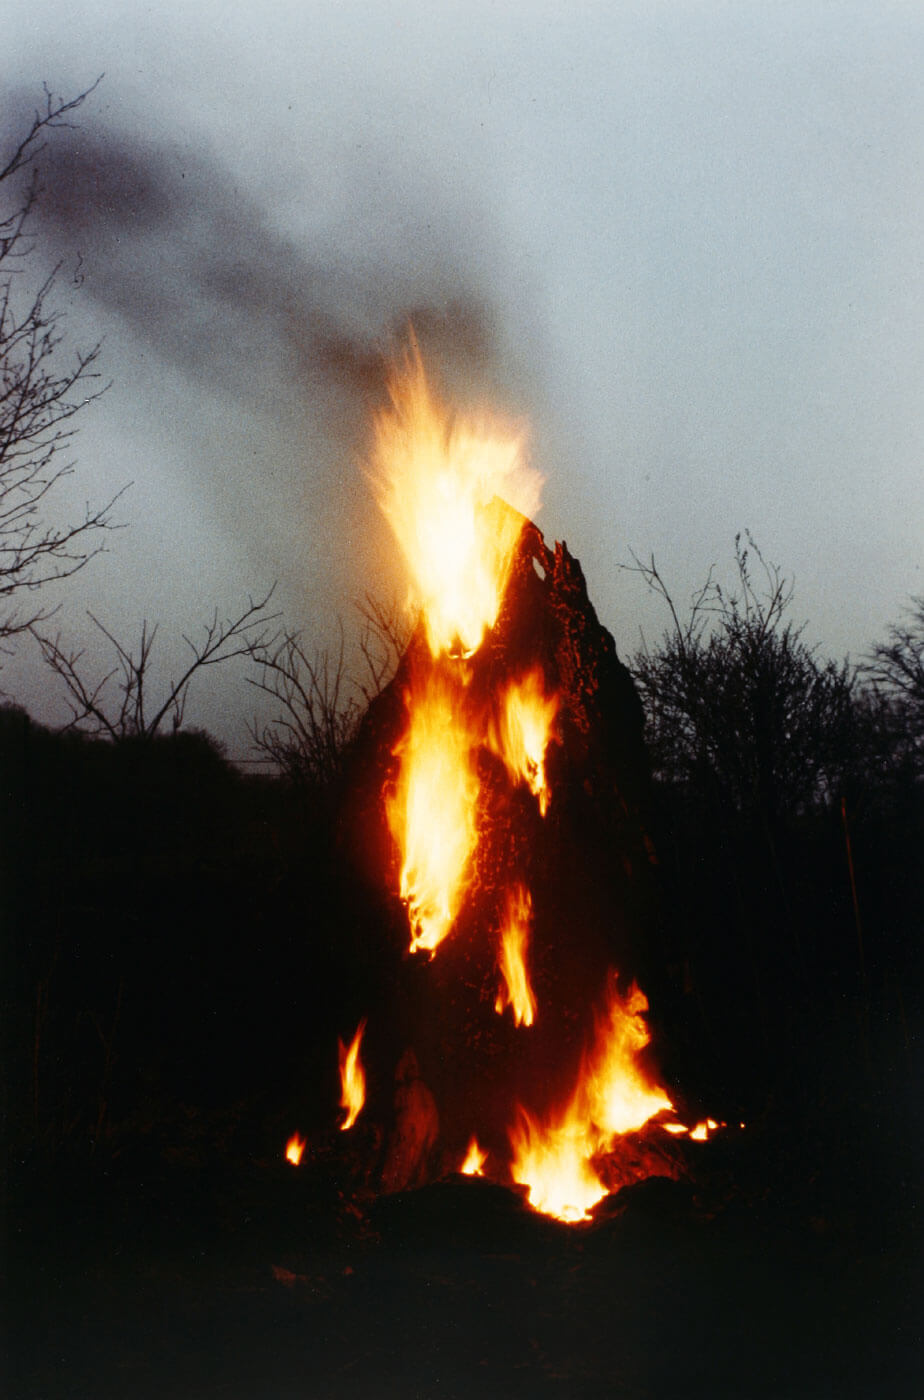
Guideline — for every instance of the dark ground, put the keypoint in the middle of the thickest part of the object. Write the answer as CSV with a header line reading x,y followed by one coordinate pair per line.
x,y
761,1277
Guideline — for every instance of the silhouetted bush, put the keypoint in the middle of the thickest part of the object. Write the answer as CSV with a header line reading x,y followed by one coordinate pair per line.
x,y
788,816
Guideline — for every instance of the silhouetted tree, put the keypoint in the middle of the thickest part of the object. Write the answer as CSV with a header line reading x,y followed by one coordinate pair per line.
x,y
896,670
39,397
318,705
125,709
739,708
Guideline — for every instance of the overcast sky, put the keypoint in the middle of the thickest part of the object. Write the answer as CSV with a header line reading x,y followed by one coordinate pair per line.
x,y
681,240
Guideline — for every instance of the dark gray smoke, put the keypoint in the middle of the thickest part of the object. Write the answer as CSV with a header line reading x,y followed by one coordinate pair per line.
x,y
200,273
274,322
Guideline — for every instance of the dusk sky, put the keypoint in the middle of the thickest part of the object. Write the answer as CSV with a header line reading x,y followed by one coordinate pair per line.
x,y
681,241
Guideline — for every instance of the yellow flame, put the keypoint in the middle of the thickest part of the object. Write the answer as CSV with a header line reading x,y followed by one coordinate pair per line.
x,y
555,1158
435,477
352,1078
522,736
431,812
619,1099
294,1149
699,1133
474,1160
512,960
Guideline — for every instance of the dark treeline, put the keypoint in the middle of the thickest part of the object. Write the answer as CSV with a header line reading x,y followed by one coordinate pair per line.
x,y
184,943
787,814
177,943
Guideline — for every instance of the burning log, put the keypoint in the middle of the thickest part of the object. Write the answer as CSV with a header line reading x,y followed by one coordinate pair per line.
x,y
497,790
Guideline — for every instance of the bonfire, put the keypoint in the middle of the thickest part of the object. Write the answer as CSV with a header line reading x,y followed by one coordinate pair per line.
x,y
504,779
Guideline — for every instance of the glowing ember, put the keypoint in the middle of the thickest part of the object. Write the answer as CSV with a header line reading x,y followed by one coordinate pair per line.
x,y
294,1149
435,477
352,1078
431,813
522,737
517,993
555,1158
474,1160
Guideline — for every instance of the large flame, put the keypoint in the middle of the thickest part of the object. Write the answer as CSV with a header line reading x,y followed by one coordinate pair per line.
x,y
431,811
352,1078
555,1158
522,735
456,493
435,477
517,991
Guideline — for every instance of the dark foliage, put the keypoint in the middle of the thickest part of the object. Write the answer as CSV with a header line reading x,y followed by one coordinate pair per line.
x,y
895,669
789,817
177,938
741,712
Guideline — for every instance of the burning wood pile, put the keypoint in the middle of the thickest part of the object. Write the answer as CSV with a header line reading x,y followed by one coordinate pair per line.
x,y
498,795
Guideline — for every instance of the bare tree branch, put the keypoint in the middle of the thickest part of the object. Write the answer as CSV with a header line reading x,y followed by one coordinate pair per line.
x,y
39,397
132,714
387,629
897,665
737,704
318,705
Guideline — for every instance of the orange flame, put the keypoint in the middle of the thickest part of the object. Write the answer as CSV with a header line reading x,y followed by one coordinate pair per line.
x,y
352,1078
435,477
522,736
514,938
555,1159
431,813
620,1098
474,1160
699,1133
294,1149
